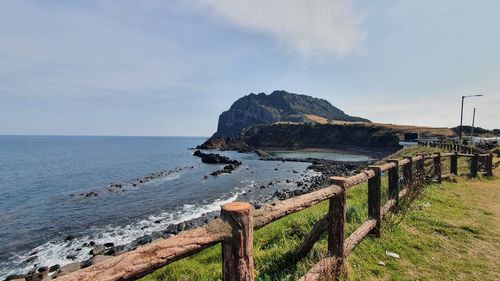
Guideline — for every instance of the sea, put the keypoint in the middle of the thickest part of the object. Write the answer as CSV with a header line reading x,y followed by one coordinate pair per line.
x,y
45,182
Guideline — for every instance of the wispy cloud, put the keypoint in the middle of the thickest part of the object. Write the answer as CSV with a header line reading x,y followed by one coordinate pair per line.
x,y
331,27
89,49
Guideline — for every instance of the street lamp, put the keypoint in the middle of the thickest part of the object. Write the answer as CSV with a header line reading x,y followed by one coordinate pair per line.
x,y
462,117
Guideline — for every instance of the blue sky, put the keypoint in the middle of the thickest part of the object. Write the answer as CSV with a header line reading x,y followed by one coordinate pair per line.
x,y
171,67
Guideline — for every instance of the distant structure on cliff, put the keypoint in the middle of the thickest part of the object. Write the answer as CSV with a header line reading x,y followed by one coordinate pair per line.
x,y
279,106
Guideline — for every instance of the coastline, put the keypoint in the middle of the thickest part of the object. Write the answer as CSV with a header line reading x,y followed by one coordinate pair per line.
x,y
316,178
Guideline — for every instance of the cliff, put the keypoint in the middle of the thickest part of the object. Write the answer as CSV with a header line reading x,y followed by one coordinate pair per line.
x,y
306,135
279,106
319,135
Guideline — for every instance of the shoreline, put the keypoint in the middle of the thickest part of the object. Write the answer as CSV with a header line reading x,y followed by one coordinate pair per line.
x,y
322,169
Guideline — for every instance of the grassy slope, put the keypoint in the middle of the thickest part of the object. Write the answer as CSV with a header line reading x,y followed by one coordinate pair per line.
x,y
450,233
449,239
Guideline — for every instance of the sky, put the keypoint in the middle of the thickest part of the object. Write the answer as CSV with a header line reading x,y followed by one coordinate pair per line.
x,y
165,68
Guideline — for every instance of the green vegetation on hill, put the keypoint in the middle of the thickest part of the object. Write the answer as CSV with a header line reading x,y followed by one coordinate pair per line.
x,y
448,233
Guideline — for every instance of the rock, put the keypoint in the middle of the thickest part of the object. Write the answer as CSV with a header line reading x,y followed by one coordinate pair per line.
x,y
31,259
16,277
67,269
172,228
54,268
145,239
181,226
95,260
43,269
211,158
109,244
98,250
71,257
90,194
69,238
116,250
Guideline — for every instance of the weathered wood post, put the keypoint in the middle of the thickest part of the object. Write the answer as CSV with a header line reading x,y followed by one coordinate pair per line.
x,y
237,253
393,188
473,165
437,167
488,165
374,199
336,224
408,172
454,163
420,165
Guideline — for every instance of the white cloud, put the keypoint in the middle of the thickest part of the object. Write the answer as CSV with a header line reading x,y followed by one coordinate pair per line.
x,y
331,27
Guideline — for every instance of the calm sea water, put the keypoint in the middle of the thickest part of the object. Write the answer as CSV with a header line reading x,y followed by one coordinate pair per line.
x,y
39,176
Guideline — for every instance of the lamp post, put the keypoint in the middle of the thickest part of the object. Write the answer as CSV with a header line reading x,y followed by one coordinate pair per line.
x,y
462,118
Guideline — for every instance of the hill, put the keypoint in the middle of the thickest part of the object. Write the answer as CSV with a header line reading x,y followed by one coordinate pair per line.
x,y
279,106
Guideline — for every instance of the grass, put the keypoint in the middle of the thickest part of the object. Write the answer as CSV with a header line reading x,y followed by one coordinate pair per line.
x,y
448,233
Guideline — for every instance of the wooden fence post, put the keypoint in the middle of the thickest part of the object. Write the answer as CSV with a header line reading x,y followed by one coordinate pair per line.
x,y
454,163
489,165
336,222
473,165
408,172
237,253
420,166
374,199
437,167
393,178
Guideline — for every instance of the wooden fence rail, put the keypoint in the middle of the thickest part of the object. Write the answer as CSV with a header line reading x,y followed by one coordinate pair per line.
x,y
234,229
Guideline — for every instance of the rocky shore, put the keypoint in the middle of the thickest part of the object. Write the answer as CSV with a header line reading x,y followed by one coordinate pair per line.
x,y
306,183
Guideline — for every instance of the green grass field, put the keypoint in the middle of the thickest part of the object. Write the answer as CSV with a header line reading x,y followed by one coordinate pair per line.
x,y
447,233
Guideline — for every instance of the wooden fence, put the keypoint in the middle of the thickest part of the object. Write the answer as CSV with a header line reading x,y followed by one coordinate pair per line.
x,y
453,146
234,229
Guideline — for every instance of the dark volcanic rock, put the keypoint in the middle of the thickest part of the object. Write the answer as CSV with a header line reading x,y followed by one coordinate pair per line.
x,y
143,240
54,268
235,144
279,106
69,238
211,158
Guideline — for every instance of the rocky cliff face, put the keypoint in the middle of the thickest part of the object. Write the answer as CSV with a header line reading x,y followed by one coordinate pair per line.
x,y
279,106
305,135
296,136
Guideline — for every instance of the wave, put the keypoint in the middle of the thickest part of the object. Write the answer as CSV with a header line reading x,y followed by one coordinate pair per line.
x,y
57,252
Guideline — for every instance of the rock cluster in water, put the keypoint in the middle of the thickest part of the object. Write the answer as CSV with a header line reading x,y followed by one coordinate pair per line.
x,y
211,158
137,182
